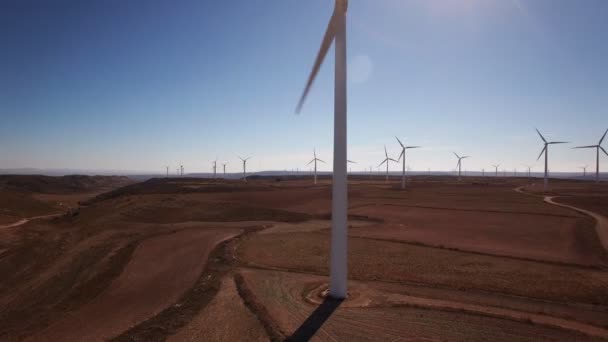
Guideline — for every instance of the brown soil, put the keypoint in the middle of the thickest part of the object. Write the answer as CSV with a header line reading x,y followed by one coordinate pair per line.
x,y
130,264
282,294
563,238
392,261
225,319
160,270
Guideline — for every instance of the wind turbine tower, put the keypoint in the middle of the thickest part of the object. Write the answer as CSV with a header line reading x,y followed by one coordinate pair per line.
x,y
336,32
244,160
314,160
387,160
597,147
545,150
496,170
403,148
459,164
224,166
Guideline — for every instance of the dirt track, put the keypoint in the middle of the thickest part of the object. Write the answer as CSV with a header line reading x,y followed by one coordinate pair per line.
x,y
24,221
160,270
602,222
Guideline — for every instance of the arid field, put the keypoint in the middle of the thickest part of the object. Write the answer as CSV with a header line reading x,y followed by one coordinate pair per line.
x,y
187,259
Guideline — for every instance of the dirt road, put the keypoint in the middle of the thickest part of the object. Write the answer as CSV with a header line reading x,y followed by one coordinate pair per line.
x,y
602,222
26,220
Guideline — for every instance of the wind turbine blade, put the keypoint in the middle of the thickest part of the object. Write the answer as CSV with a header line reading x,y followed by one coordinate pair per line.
x,y
310,162
590,146
558,142
400,143
401,155
385,153
412,147
384,161
603,136
350,161
541,152
465,157
541,136
392,160
321,161
457,156
325,44
604,150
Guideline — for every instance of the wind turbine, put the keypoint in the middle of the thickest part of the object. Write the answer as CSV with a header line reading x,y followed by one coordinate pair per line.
x,y
545,150
336,30
315,159
224,165
167,171
584,170
459,164
496,169
597,155
352,162
529,170
214,168
403,148
244,168
386,160
181,167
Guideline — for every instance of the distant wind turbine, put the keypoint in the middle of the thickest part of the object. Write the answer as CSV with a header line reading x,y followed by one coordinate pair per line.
x,y
529,167
584,170
496,169
244,160
314,160
336,31
386,160
214,168
167,171
352,162
403,148
181,167
597,147
459,164
224,166
545,150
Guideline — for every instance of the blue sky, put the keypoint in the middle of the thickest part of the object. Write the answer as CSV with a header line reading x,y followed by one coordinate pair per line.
x,y
136,85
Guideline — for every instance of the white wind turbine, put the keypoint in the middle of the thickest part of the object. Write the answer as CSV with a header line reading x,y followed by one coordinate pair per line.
x,y
386,160
545,150
529,167
496,169
336,31
403,148
224,166
314,160
181,167
214,168
244,160
352,162
459,164
597,147
584,168
167,171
